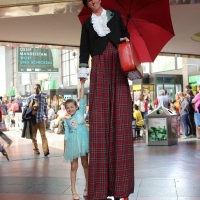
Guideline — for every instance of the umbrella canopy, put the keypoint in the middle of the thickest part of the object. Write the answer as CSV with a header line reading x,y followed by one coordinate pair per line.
x,y
148,22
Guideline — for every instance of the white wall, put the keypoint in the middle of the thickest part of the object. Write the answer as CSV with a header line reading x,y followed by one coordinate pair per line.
x,y
2,71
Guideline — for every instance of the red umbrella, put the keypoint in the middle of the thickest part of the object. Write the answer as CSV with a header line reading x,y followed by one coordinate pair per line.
x,y
148,22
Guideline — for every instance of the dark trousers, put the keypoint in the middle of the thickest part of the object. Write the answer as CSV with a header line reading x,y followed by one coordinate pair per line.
x,y
5,138
137,130
192,124
185,123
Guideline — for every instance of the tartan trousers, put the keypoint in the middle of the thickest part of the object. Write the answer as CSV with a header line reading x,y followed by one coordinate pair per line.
x,y
111,162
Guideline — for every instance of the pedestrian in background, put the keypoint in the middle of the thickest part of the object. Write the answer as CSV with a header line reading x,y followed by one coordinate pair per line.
x,y
3,135
184,110
18,113
41,115
196,101
192,126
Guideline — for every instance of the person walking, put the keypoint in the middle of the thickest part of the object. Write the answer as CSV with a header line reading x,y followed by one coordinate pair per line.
x,y
2,134
5,117
76,140
41,115
111,163
18,113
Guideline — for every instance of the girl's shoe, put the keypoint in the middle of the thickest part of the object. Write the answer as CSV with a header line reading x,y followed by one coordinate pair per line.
x,y
75,196
85,193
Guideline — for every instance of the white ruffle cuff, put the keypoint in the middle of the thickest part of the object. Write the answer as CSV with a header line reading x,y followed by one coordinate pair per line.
x,y
83,73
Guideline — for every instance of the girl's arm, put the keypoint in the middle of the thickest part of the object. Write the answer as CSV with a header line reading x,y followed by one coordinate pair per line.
x,y
82,87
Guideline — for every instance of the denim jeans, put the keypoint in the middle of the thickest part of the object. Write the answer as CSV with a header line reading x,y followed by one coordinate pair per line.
x,y
185,123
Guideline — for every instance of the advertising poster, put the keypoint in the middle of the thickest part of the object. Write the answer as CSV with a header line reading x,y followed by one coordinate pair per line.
x,y
157,130
38,60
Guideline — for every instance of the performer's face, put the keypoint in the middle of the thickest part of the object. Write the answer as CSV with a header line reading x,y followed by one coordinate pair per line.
x,y
94,5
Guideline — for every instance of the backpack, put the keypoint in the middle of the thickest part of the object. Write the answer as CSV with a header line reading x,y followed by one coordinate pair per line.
x,y
15,106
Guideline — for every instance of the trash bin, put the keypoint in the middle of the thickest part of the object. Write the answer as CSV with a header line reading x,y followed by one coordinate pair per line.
x,y
162,127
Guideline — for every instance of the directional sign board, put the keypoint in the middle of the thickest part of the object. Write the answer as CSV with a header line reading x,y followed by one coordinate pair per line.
x,y
38,60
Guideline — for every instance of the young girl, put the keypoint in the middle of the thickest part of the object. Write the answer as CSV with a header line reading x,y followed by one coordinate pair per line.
x,y
76,139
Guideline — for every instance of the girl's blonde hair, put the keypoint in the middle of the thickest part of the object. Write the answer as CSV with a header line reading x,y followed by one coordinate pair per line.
x,y
182,94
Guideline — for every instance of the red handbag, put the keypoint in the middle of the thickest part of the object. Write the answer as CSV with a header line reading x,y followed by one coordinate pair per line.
x,y
129,59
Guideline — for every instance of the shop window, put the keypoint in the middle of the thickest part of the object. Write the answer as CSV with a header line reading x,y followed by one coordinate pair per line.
x,y
163,63
169,80
159,80
73,79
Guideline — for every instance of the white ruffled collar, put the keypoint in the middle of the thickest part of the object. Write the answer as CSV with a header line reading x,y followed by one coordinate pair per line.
x,y
100,24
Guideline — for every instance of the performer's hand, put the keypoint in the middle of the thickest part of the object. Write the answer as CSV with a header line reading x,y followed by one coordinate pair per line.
x,y
125,38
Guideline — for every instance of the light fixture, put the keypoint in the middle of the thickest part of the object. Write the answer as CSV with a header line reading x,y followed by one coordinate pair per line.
x,y
196,37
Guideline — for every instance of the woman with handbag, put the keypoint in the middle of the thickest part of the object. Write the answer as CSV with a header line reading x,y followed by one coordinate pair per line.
x,y
111,166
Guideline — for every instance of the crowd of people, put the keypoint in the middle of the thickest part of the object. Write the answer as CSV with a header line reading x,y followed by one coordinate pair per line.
x,y
186,105
12,113
109,171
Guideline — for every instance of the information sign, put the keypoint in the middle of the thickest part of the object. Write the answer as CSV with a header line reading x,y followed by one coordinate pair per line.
x,y
38,60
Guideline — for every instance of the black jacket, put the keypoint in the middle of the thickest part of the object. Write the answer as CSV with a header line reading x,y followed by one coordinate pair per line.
x,y
92,44
28,120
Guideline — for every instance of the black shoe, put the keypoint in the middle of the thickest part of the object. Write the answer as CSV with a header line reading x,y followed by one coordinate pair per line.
x,y
46,153
37,152
9,144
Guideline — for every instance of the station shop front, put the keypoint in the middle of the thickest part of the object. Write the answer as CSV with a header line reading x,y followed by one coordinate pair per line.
x,y
194,81
151,84
55,97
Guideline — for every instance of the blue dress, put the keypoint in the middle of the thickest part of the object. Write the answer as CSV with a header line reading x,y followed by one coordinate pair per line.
x,y
76,134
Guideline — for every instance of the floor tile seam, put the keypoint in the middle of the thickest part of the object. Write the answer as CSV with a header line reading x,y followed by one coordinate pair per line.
x,y
45,192
65,190
30,159
153,179
175,183
34,188
143,170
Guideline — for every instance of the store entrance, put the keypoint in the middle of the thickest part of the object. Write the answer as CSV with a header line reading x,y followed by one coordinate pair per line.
x,y
146,90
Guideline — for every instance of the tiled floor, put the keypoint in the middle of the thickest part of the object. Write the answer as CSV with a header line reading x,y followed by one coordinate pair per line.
x,y
161,172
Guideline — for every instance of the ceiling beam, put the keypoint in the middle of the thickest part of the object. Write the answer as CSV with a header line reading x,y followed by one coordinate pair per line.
x,y
11,3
